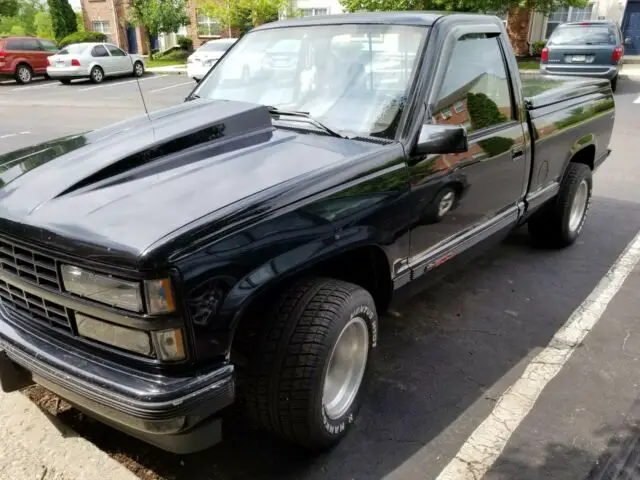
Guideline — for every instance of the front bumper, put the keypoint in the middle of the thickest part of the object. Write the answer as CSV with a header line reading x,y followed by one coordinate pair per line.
x,y
175,413
198,70
598,71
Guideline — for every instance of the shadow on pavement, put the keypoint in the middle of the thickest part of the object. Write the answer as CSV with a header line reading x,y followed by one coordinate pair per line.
x,y
445,360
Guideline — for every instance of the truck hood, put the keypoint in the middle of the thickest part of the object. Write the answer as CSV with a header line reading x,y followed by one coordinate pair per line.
x,y
109,194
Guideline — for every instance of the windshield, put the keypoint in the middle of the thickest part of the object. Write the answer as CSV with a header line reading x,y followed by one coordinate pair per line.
x,y
583,35
352,78
215,46
73,49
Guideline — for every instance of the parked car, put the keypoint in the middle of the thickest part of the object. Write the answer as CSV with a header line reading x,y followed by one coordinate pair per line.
x,y
24,57
94,61
242,244
591,49
201,61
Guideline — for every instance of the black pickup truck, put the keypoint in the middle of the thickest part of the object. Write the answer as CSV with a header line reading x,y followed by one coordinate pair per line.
x,y
239,248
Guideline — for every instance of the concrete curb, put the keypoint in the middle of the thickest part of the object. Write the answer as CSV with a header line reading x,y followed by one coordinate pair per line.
x,y
168,70
35,445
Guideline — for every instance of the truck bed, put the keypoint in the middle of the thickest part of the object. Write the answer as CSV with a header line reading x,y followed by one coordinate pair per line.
x,y
542,91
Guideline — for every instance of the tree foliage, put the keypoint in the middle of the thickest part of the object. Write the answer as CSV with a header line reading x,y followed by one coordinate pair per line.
x,y
82,37
159,16
8,8
496,6
241,15
43,25
63,18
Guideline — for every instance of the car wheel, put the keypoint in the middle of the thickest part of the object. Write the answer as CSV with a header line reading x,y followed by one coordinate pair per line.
x,y
614,83
96,75
306,375
138,69
24,74
65,81
559,223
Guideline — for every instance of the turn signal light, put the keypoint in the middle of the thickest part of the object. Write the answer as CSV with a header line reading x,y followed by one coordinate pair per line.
x,y
617,53
544,56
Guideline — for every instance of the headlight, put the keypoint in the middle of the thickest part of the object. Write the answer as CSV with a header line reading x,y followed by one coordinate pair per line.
x,y
119,293
102,288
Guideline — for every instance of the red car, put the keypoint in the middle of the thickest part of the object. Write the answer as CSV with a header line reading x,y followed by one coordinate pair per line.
x,y
24,57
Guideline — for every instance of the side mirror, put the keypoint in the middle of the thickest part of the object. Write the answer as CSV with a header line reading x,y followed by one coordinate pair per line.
x,y
442,139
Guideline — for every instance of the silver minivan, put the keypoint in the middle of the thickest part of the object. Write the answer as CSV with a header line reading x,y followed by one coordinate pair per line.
x,y
586,49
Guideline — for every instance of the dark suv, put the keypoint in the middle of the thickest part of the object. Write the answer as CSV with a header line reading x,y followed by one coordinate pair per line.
x,y
24,57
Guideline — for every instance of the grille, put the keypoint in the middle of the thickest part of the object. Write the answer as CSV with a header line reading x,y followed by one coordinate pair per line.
x,y
30,266
22,304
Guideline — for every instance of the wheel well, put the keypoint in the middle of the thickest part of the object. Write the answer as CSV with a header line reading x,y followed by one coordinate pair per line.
x,y
366,266
25,64
586,156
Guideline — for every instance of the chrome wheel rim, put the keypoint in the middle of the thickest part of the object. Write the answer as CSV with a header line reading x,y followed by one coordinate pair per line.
x,y
579,206
97,75
446,202
347,365
24,74
139,70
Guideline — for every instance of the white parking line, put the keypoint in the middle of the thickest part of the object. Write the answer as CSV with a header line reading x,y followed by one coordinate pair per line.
x,y
637,100
33,87
171,86
115,84
10,135
487,442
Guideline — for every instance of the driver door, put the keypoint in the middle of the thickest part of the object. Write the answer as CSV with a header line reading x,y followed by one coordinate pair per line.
x,y
119,59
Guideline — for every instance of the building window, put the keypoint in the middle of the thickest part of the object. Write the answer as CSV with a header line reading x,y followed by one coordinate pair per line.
x,y
567,14
101,26
314,12
446,114
208,27
458,107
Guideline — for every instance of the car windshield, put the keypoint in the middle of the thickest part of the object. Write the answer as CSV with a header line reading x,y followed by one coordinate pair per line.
x,y
73,49
215,46
583,35
352,78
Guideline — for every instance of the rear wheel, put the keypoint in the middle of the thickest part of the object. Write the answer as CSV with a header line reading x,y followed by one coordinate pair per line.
x,y
96,75
306,374
24,74
560,222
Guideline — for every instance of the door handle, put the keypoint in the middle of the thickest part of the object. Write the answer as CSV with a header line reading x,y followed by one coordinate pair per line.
x,y
517,152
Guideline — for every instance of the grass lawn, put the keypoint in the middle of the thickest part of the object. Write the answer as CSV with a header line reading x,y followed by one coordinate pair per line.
x,y
528,64
173,57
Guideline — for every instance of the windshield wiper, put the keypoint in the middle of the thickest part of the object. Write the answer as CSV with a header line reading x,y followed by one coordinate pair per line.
x,y
306,116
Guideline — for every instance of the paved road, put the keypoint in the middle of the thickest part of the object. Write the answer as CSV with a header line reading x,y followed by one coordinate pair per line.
x,y
452,352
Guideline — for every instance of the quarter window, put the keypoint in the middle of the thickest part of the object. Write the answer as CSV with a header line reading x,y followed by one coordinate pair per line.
x,y
475,91
115,51
99,51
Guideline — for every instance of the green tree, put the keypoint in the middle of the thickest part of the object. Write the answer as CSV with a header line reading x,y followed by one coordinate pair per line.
x,y
159,16
8,8
230,14
63,18
498,6
80,22
27,14
263,11
43,25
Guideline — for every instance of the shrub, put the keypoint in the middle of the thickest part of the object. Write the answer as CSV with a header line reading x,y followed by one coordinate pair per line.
x,y
81,37
536,48
185,43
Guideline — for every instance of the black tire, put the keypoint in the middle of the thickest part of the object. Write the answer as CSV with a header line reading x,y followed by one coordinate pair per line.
x,y
96,75
284,381
614,83
65,81
24,74
138,69
552,226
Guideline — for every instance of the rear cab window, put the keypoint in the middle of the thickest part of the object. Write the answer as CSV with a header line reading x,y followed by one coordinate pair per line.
x,y
586,34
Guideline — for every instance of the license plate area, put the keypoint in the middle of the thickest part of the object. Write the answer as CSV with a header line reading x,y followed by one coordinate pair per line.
x,y
578,58
12,376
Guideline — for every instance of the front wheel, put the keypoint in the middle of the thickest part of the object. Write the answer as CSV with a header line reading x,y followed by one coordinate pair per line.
x,y
306,377
24,74
138,69
560,222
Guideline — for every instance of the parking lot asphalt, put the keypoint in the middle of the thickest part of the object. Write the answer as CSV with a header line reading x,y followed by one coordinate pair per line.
x,y
447,357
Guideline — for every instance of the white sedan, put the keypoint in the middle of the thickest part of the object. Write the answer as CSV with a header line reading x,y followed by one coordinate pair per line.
x,y
205,57
94,61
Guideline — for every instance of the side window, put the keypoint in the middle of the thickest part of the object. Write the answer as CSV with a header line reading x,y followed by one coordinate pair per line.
x,y
115,51
99,51
475,92
31,44
15,45
48,46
